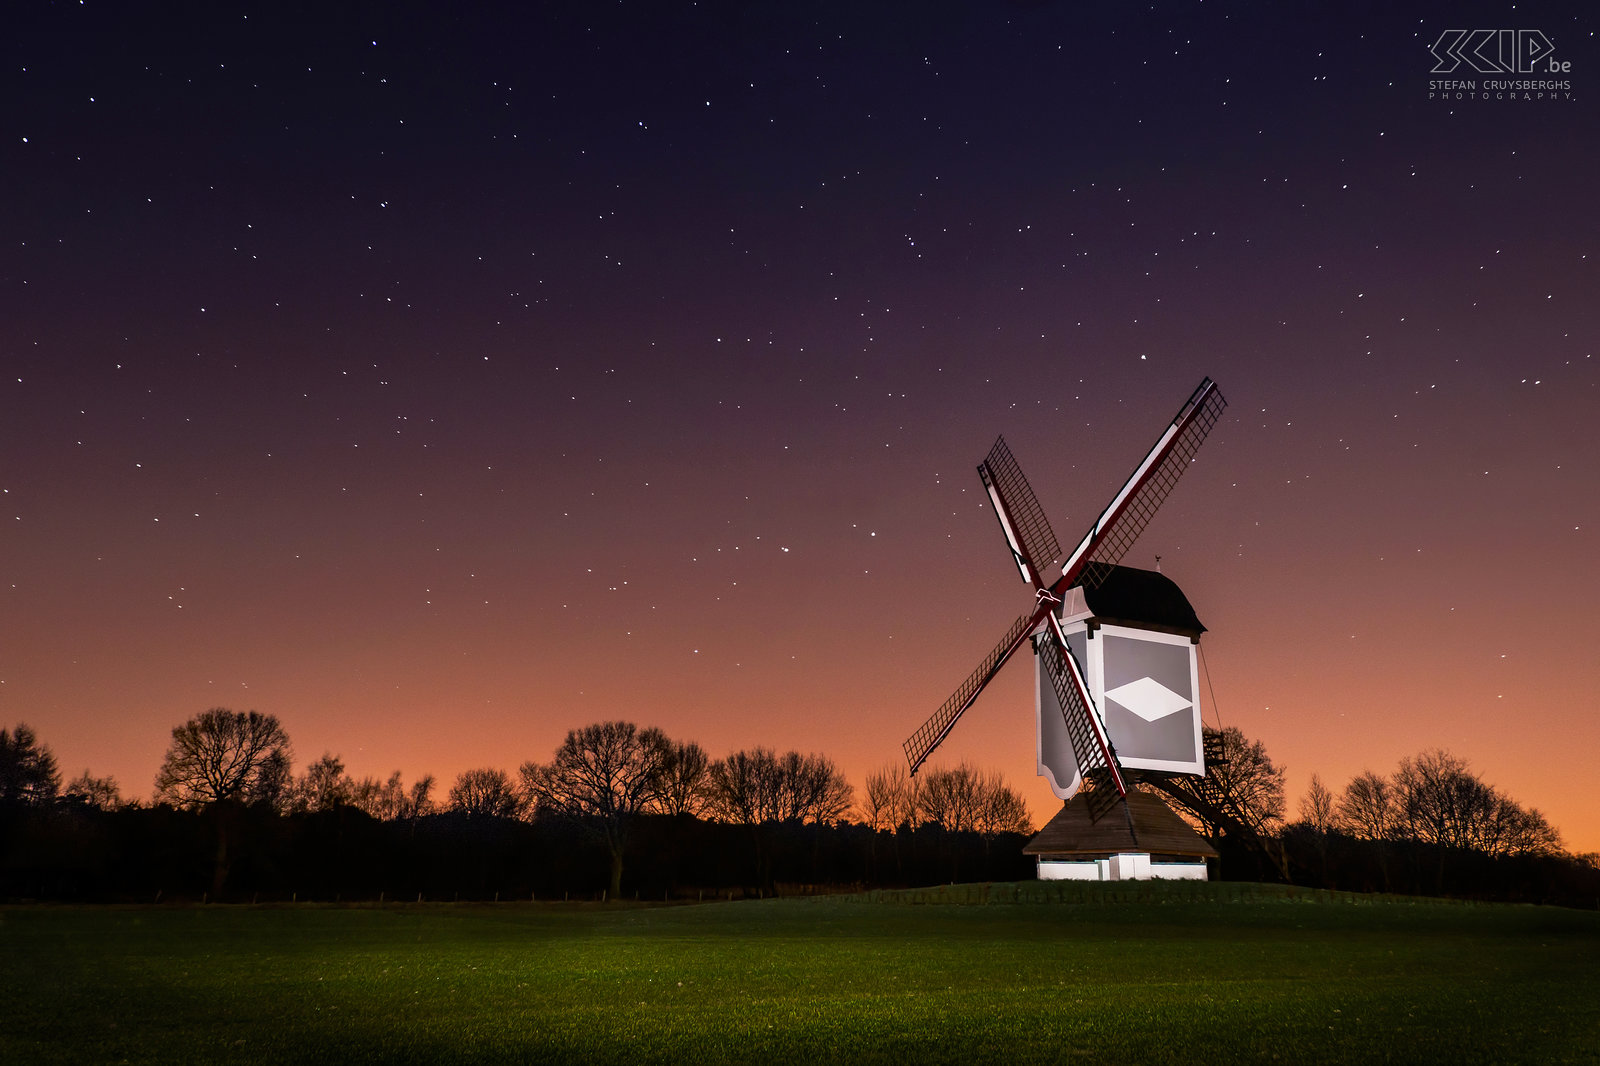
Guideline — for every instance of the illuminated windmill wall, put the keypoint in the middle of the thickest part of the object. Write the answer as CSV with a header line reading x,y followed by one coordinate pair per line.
x,y
1135,636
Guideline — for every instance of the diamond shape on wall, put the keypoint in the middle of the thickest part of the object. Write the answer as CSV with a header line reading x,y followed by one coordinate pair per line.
x,y
1149,699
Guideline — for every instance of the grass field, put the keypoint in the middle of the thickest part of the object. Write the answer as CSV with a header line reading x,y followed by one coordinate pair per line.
x,y
1148,974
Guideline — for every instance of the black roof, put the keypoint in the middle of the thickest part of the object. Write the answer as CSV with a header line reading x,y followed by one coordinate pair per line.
x,y
1147,599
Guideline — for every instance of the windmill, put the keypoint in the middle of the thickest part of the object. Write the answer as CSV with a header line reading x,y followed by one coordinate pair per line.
x,y
1076,746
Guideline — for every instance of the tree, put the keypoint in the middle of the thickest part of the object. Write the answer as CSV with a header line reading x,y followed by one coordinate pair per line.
x,y
98,792
684,776
323,786
1251,781
1241,791
743,788
221,758
484,793
1512,829
1439,799
603,777
756,787
968,799
762,790
226,755
377,799
811,790
952,798
892,798
1368,810
28,773
1240,798
1317,806
1002,810
389,800
1444,803
274,786
419,800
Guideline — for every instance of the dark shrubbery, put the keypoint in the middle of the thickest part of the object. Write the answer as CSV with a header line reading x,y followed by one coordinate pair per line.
x,y
140,854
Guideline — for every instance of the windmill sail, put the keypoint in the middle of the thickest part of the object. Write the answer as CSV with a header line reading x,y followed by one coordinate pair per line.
x,y
1091,746
1131,509
1033,543
937,727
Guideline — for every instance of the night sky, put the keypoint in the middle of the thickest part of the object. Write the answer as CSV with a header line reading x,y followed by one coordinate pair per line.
x,y
439,378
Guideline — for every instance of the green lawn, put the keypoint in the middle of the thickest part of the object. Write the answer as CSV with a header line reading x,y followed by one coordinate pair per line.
x,y
1151,975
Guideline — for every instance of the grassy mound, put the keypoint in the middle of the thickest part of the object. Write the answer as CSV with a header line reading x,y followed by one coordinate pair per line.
x,y
1025,973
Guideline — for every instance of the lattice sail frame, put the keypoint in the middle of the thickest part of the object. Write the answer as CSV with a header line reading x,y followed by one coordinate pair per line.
x,y
936,728
1153,480
1091,744
1028,534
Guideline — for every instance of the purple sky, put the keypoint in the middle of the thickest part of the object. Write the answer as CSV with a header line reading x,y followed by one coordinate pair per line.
x,y
439,381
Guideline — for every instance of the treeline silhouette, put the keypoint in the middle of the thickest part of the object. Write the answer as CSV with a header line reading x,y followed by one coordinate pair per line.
x,y
68,852
622,812
1432,827
229,821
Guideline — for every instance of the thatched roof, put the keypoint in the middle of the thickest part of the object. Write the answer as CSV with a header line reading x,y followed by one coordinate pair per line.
x,y
1145,823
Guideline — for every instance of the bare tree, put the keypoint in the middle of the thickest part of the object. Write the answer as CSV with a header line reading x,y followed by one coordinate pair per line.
x,y
1242,791
685,773
1002,809
1444,803
1368,809
377,799
1317,806
323,786
419,800
967,799
953,798
274,785
1251,780
219,758
761,790
811,789
484,793
1511,829
602,777
100,793
1440,800
756,787
892,798
225,755
28,773
743,788
390,800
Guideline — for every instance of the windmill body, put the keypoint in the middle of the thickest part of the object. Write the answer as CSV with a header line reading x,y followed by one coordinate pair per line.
x,y
1134,637
1117,686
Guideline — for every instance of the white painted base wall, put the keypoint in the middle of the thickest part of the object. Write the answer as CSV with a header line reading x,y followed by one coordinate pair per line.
x,y
1129,866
